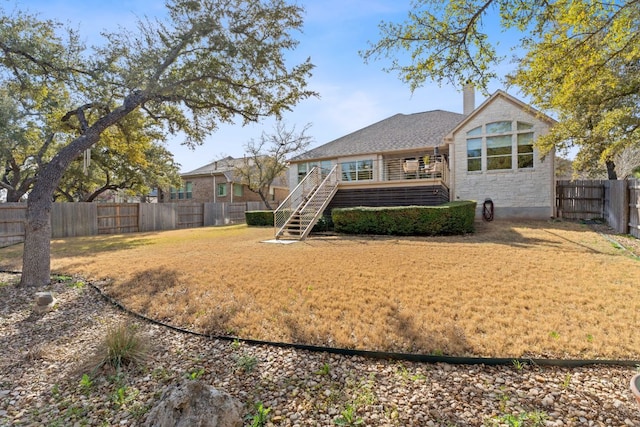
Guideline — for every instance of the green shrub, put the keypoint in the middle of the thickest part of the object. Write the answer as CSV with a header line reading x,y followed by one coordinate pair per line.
x,y
323,224
451,218
259,218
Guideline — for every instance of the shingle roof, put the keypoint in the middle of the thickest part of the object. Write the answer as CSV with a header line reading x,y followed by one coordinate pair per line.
x,y
226,167
396,133
219,166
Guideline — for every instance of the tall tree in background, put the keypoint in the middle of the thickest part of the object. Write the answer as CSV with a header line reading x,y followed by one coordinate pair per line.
x,y
28,127
577,59
209,62
266,160
130,156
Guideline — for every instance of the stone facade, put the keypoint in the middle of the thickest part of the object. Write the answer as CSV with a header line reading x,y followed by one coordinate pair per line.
x,y
516,192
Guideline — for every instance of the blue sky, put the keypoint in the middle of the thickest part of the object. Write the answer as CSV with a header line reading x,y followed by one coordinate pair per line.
x,y
352,94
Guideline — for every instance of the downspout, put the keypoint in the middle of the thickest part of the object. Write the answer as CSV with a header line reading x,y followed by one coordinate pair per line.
x,y
452,166
215,191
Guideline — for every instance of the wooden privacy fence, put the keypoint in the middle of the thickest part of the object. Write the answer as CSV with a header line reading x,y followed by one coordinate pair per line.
x,y
89,219
617,202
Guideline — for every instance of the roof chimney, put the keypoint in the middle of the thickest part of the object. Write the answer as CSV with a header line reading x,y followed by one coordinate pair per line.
x,y
468,99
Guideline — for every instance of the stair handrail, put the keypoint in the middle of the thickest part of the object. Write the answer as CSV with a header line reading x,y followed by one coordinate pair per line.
x,y
321,194
292,202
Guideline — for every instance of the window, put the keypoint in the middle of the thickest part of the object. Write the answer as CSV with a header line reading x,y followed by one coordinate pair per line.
x,y
302,171
498,127
182,193
237,190
222,190
304,168
474,154
525,150
503,147
361,170
499,152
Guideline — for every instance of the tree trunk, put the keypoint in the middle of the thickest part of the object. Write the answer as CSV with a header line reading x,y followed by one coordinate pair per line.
x,y
264,199
36,257
611,170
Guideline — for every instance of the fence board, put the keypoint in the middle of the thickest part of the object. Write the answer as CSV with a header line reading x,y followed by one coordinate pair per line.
x,y
157,216
616,211
73,219
634,208
580,199
190,215
117,218
12,220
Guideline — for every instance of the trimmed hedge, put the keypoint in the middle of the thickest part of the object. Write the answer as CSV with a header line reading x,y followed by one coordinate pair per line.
x,y
259,218
450,218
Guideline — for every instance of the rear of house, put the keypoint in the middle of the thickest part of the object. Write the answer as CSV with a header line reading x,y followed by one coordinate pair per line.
x,y
434,157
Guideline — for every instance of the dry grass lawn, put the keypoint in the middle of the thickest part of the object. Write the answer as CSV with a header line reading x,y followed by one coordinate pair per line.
x,y
521,289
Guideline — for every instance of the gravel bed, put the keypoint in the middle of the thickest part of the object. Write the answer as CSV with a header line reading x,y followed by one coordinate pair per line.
x,y
44,356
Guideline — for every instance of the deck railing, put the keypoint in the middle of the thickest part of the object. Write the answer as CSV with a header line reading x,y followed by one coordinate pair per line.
x,y
394,169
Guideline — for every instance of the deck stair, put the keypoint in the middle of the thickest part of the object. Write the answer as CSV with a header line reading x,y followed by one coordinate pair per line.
x,y
299,212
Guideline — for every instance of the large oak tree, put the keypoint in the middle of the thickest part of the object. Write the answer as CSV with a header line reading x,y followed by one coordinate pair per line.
x,y
208,62
579,60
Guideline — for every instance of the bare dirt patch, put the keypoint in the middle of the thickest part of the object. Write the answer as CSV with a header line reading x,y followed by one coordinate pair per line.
x,y
513,289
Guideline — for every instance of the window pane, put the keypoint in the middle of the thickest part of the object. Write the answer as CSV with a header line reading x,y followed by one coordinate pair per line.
x,y
498,145
476,131
525,143
525,161
302,168
473,165
326,166
349,171
222,190
524,126
498,127
365,170
499,162
474,147
525,150
237,190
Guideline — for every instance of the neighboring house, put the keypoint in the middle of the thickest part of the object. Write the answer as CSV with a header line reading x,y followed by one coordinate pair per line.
x,y
216,182
438,156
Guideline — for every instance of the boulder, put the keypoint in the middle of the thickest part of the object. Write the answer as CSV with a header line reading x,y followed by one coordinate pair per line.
x,y
192,403
44,301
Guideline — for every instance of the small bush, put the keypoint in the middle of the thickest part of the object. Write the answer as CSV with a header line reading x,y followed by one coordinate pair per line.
x,y
122,346
259,218
324,224
450,218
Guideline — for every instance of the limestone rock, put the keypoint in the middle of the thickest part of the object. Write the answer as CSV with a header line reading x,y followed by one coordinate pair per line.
x,y
192,403
44,301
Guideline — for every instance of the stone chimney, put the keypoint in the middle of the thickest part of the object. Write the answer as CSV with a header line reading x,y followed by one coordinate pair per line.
x,y
468,99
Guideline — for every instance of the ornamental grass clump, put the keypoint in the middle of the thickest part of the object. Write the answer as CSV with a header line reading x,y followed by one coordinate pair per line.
x,y
123,346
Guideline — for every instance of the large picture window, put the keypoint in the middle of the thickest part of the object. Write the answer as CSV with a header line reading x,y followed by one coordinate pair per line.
x,y
503,147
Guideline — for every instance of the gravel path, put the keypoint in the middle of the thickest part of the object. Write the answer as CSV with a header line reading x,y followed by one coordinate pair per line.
x,y
42,358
